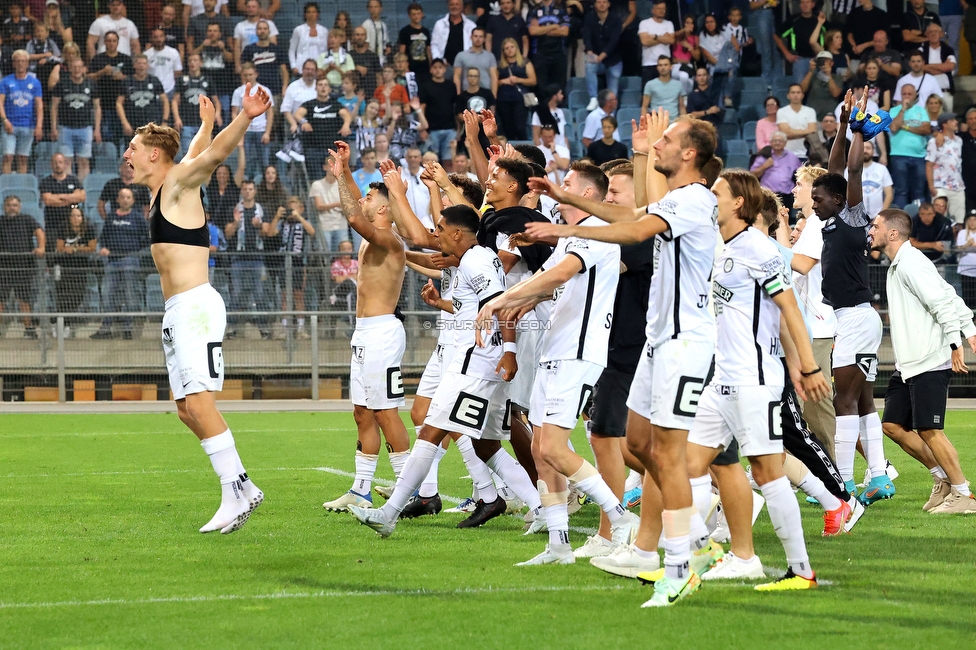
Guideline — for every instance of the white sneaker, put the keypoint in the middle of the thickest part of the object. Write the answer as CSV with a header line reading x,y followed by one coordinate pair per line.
x,y
625,562
592,106
550,556
374,518
350,498
575,500
466,506
595,546
538,524
721,534
385,491
625,530
732,568
514,506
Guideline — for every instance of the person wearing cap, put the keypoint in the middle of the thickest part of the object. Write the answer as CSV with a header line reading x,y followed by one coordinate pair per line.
x,y
943,165
114,21
821,85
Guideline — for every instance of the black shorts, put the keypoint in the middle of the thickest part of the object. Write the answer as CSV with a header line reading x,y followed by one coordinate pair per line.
x,y
20,281
729,455
918,403
609,411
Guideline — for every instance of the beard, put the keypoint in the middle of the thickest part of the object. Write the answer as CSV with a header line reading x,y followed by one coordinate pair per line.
x,y
660,168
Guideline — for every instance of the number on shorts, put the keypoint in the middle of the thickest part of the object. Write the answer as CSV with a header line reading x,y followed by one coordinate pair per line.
x,y
470,411
215,359
394,383
585,394
775,420
689,390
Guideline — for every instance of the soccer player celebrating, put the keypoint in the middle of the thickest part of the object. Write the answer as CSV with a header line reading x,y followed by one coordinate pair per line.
x,y
839,204
195,317
580,278
471,397
376,385
744,398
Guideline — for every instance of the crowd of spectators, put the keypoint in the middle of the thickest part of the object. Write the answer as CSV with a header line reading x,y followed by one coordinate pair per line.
x,y
566,75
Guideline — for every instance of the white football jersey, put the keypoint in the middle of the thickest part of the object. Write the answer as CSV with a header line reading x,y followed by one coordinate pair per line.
x,y
582,309
677,306
809,287
748,273
445,320
479,278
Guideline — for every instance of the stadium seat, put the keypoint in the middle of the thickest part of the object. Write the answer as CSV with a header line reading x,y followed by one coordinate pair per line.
x,y
579,115
737,147
630,98
625,129
631,83
32,210
154,293
106,157
752,99
42,158
93,185
578,99
728,131
576,150
738,161
749,113
18,181
26,196
753,84
571,131
749,130
911,209
576,83
628,114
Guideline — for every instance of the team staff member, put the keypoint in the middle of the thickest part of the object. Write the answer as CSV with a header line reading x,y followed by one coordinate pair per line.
x,y
928,321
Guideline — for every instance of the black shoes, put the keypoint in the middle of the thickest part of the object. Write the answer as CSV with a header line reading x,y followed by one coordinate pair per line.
x,y
419,506
483,512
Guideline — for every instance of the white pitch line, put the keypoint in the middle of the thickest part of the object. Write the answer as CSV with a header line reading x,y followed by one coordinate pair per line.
x,y
182,432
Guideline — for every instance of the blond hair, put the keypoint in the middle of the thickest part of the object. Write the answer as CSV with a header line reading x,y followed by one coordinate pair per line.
x,y
518,53
162,137
809,173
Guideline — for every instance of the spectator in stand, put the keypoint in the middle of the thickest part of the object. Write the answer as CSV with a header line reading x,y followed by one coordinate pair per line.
x,y
775,167
834,45
175,35
323,121
114,22
164,61
941,61
932,233
17,269
685,51
390,91
269,60
343,24
951,14
966,240
924,83
403,75
941,205
548,112
366,174
820,143
55,23
79,121
910,128
75,244
308,40
298,92
557,155
43,53
124,237
16,27
418,196
23,113
69,53
245,240
966,134
769,124
714,45
657,36
607,105
738,38
266,8
223,192
862,24
914,22
703,101
822,85
462,167
110,192
336,62
110,69
889,59
366,61
549,26
878,190
414,41
664,92
796,43
382,146
515,73
344,271
943,165
762,23
607,148
473,97
257,138
796,120
142,99
368,126
246,31
437,99
377,33
331,222
186,102
451,34
218,62
507,24
59,192
352,98
295,232
601,38
482,60
197,26
880,85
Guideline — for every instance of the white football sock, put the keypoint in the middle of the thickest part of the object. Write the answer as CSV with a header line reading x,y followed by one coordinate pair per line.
x,y
588,481
557,520
784,513
478,470
365,470
429,487
845,442
397,460
962,489
814,487
516,477
677,553
223,456
414,471
872,439
938,474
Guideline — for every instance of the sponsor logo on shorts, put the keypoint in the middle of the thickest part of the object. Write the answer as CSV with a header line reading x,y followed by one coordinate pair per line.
x,y
394,383
469,411
215,359
359,354
868,363
168,334
686,400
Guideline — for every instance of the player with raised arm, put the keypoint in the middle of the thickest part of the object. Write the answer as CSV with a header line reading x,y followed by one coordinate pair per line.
x,y
376,384
839,204
195,316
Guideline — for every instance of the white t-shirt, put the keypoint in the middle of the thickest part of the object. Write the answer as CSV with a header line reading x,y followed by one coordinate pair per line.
x,y
560,116
796,120
748,273
649,55
592,130
164,64
196,6
874,178
259,123
582,309
296,94
418,196
479,278
329,193
246,31
967,262
935,58
677,305
125,28
808,287
556,176
925,85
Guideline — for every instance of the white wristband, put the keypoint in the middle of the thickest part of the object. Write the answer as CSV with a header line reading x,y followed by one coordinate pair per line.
x,y
509,347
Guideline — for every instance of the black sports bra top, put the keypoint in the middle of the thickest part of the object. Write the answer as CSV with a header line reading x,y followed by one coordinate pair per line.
x,y
162,231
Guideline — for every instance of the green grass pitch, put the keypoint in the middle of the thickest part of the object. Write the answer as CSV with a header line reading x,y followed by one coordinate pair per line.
x,y
99,549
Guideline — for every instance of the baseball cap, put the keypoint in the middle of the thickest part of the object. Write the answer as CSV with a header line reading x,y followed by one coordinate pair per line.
x,y
945,117
824,54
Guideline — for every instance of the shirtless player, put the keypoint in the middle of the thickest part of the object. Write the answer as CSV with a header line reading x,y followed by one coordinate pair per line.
x,y
195,317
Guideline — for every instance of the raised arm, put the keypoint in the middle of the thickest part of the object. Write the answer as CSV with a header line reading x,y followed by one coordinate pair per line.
x,y
201,140
836,163
631,232
855,159
606,211
406,221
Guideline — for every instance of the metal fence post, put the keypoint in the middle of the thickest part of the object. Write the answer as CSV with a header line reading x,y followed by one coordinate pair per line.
x,y
289,306
62,382
313,323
